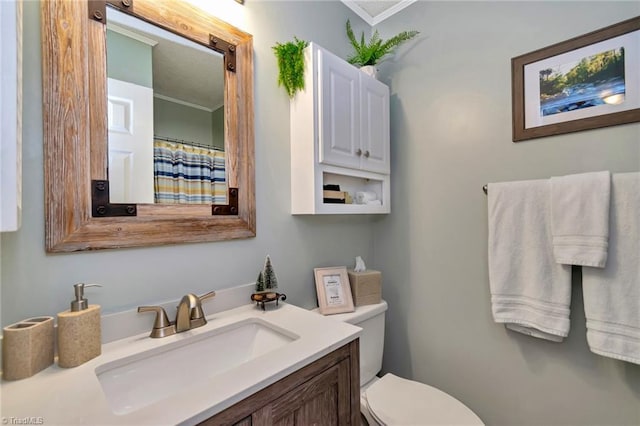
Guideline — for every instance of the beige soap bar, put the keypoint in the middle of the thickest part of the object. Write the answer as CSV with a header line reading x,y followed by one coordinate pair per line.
x,y
79,336
27,347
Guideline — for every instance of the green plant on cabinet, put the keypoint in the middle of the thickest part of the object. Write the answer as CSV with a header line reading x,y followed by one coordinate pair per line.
x,y
372,52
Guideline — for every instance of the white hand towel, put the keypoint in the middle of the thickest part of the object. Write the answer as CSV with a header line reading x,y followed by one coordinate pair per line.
x,y
612,294
580,218
530,292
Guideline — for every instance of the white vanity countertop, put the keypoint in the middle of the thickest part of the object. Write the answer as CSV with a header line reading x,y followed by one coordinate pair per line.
x,y
74,396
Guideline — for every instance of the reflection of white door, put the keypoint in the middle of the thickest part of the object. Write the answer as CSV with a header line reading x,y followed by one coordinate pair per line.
x,y
130,109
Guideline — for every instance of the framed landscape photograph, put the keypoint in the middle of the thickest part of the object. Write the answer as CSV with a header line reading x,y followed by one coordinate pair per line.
x,y
334,291
587,82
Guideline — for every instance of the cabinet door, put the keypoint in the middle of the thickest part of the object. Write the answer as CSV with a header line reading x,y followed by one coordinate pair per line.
x,y
325,392
374,125
339,113
323,400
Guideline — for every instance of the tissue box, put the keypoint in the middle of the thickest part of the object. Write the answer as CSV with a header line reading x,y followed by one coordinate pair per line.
x,y
366,287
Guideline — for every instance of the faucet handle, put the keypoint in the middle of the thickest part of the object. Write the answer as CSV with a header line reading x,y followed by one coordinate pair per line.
x,y
207,296
197,314
162,326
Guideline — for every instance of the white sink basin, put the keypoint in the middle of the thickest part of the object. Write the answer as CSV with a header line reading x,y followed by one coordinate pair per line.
x,y
182,379
142,379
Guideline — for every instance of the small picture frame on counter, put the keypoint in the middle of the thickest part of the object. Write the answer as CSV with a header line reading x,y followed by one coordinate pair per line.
x,y
333,289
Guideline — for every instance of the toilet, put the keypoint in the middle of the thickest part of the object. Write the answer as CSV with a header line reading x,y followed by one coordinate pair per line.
x,y
392,400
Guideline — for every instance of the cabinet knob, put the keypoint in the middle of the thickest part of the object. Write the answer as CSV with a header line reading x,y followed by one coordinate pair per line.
x,y
366,154
359,152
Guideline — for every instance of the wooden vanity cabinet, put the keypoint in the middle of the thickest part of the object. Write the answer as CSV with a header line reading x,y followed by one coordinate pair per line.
x,y
325,392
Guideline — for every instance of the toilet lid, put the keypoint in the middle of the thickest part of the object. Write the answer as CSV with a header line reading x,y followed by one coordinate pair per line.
x,y
396,401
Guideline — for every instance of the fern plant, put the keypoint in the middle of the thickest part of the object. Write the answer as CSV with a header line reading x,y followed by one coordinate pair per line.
x,y
372,52
291,65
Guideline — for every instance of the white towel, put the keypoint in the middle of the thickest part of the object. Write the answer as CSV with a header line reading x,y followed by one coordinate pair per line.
x,y
580,218
612,294
530,292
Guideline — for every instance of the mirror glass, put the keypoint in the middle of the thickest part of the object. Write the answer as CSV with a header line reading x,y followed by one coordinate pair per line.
x,y
165,116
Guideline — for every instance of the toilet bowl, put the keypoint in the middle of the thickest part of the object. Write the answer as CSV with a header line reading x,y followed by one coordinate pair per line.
x,y
392,400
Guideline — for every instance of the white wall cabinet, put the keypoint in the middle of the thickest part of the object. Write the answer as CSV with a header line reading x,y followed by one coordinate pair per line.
x,y
10,115
339,135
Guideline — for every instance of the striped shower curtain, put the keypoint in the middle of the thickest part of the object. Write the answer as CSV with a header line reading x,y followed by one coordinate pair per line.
x,y
185,174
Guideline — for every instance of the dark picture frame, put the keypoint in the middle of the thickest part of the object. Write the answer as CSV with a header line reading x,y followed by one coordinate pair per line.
x,y
552,96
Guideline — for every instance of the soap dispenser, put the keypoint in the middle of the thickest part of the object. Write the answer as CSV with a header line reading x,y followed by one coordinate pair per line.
x,y
79,335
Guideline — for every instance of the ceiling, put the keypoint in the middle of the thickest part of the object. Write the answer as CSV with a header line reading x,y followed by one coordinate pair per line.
x,y
376,11
171,58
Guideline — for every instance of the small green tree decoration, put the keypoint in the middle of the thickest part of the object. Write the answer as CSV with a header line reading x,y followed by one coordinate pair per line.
x,y
270,280
372,52
260,283
291,65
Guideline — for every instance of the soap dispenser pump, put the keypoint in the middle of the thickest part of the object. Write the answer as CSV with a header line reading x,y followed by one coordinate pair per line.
x,y
79,334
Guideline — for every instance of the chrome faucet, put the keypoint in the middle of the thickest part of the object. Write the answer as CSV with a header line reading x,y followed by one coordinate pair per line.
x,y
188,316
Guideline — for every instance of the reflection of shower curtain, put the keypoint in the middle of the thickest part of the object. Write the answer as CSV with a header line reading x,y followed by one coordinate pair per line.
x,y
185,174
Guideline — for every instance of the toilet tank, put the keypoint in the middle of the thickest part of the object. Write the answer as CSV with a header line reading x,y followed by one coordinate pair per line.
x,y
371,319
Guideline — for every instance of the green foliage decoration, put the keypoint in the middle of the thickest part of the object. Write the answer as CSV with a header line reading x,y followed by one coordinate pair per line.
x,y
260,283
270,279
372,52
291,65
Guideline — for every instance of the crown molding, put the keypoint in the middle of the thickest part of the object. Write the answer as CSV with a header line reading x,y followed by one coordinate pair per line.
x,y
375,20
128,33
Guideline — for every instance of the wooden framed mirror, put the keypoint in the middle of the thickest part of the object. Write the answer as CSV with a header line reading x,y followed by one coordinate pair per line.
x,y
77,214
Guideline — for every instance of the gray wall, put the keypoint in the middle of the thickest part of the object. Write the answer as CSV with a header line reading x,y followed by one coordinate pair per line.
x,y
129,60
451,134
174,120
35,283
217,127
